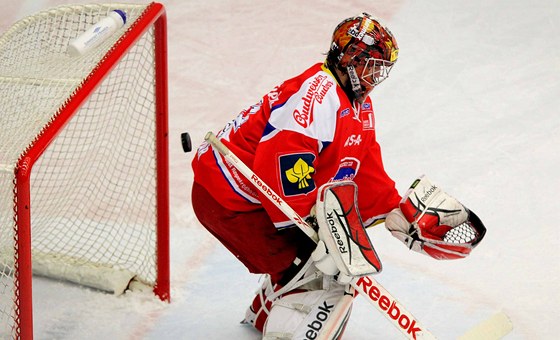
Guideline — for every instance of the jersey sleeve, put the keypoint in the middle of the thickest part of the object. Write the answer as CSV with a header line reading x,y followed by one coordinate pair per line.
x,y
377,194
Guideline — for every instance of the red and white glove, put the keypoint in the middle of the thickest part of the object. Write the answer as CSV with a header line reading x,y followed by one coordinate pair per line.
x,y
431,222
344,248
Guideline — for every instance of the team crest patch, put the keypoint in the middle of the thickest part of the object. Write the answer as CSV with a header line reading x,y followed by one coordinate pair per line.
x,y
347,169
295,172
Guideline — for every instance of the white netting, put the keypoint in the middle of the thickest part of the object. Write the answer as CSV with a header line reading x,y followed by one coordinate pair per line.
x,y
463,233
93,190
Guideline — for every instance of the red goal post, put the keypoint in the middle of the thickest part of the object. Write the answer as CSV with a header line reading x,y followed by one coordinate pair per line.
x,y
83,157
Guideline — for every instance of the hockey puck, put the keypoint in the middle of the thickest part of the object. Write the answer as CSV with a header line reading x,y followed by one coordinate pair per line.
x,y
186,142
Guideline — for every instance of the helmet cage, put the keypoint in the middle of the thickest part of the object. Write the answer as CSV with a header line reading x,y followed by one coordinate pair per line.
x,y
376,71
375,68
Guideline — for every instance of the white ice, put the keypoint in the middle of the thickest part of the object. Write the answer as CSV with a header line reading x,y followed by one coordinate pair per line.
x,y
472,102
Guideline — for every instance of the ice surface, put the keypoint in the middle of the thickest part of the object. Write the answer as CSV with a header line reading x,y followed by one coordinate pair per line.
x,y
472,102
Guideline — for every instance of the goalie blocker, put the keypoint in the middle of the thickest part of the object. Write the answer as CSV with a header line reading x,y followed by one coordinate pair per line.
x,y
344,248
431,222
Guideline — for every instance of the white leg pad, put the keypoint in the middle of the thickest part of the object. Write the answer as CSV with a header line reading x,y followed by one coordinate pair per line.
x,y
309,315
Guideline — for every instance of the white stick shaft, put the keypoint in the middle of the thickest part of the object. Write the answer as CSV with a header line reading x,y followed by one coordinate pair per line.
x,y
378,296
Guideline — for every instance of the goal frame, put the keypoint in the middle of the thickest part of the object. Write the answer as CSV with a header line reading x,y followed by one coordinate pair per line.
x,y
155,16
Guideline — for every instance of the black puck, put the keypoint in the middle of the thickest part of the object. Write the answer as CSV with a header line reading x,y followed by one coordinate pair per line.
x,y
186,142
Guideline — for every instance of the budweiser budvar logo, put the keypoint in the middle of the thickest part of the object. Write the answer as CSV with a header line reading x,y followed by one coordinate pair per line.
x,y
315,93
389,306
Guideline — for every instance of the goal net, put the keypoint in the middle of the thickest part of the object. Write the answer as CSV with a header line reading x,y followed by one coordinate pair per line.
x,y
83,156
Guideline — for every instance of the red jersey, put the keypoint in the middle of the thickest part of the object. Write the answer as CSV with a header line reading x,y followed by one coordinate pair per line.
x,y
301,135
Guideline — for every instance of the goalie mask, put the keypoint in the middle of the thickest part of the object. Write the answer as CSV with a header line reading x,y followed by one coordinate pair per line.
x,y
366,51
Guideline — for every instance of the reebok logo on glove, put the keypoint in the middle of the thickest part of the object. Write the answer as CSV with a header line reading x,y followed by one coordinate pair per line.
x,y
428,194
342,247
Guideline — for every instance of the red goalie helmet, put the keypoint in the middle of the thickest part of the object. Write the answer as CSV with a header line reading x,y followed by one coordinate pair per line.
x,y
365,50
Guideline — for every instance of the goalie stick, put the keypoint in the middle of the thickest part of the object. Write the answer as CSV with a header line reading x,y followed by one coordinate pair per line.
x,y
367,286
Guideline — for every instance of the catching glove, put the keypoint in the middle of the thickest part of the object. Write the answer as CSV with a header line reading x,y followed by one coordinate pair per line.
x,y
431,222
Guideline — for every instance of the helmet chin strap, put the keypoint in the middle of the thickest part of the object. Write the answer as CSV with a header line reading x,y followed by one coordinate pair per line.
x,y
348,79
355,82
